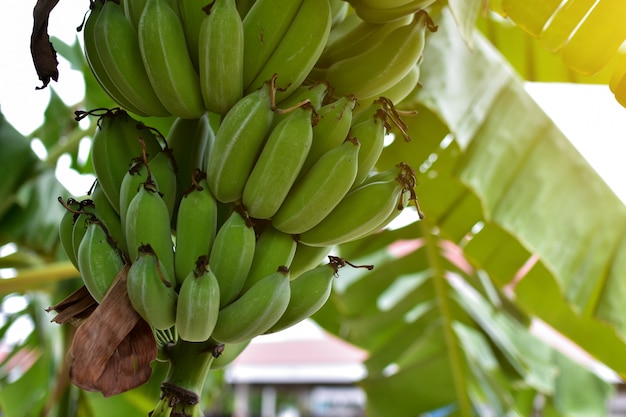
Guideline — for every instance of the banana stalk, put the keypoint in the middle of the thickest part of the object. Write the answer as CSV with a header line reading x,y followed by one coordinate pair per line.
x,y
190,364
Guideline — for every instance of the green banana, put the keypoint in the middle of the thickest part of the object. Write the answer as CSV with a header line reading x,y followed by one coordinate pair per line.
x,y
166,59
353,39
198,303
192,14
231,255
307,257
273,249
339,30
406,197
308,293
230,353
109,217
310,94
382,65
371,136
314,196
148,223
86,210
331,129
298,50
160,171
254,312
66,228
409,96
98,69
381,11
118,49
164,170
279,164
131,183
403,201
315,93
99,259
189,139
398,92
221,56
238,142
264,25
113,147
133,9
150,289
362,209
196,227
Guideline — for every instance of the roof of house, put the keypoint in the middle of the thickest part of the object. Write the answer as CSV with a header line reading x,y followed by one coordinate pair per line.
x,y
301,354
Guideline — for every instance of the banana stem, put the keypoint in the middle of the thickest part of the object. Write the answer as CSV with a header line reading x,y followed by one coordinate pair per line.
x,y
35,278
190,364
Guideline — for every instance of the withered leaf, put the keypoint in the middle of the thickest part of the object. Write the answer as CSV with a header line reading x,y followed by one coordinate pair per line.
x,y
125,371
74,308
112,350
43,52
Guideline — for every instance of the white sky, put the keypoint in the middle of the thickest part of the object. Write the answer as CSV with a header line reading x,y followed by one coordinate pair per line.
x,y
20,102
587,114
593,121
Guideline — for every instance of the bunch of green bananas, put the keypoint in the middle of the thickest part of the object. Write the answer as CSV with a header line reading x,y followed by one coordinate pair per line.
x,y
182,58
224,225
162,57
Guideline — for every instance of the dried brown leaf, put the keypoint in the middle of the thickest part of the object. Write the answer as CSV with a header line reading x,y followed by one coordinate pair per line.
x,y
75,308
43,52
112,350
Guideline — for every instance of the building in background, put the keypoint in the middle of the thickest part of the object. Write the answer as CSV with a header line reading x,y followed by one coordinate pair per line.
x,y
299,372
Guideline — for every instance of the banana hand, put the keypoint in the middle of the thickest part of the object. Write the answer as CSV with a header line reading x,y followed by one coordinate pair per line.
x,y
309,292
118,50
255,311
264,25
299,48
113,147
362,210
383,64
320,190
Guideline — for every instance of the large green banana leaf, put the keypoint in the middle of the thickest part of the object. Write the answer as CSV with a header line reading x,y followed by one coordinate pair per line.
x,y
518,227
